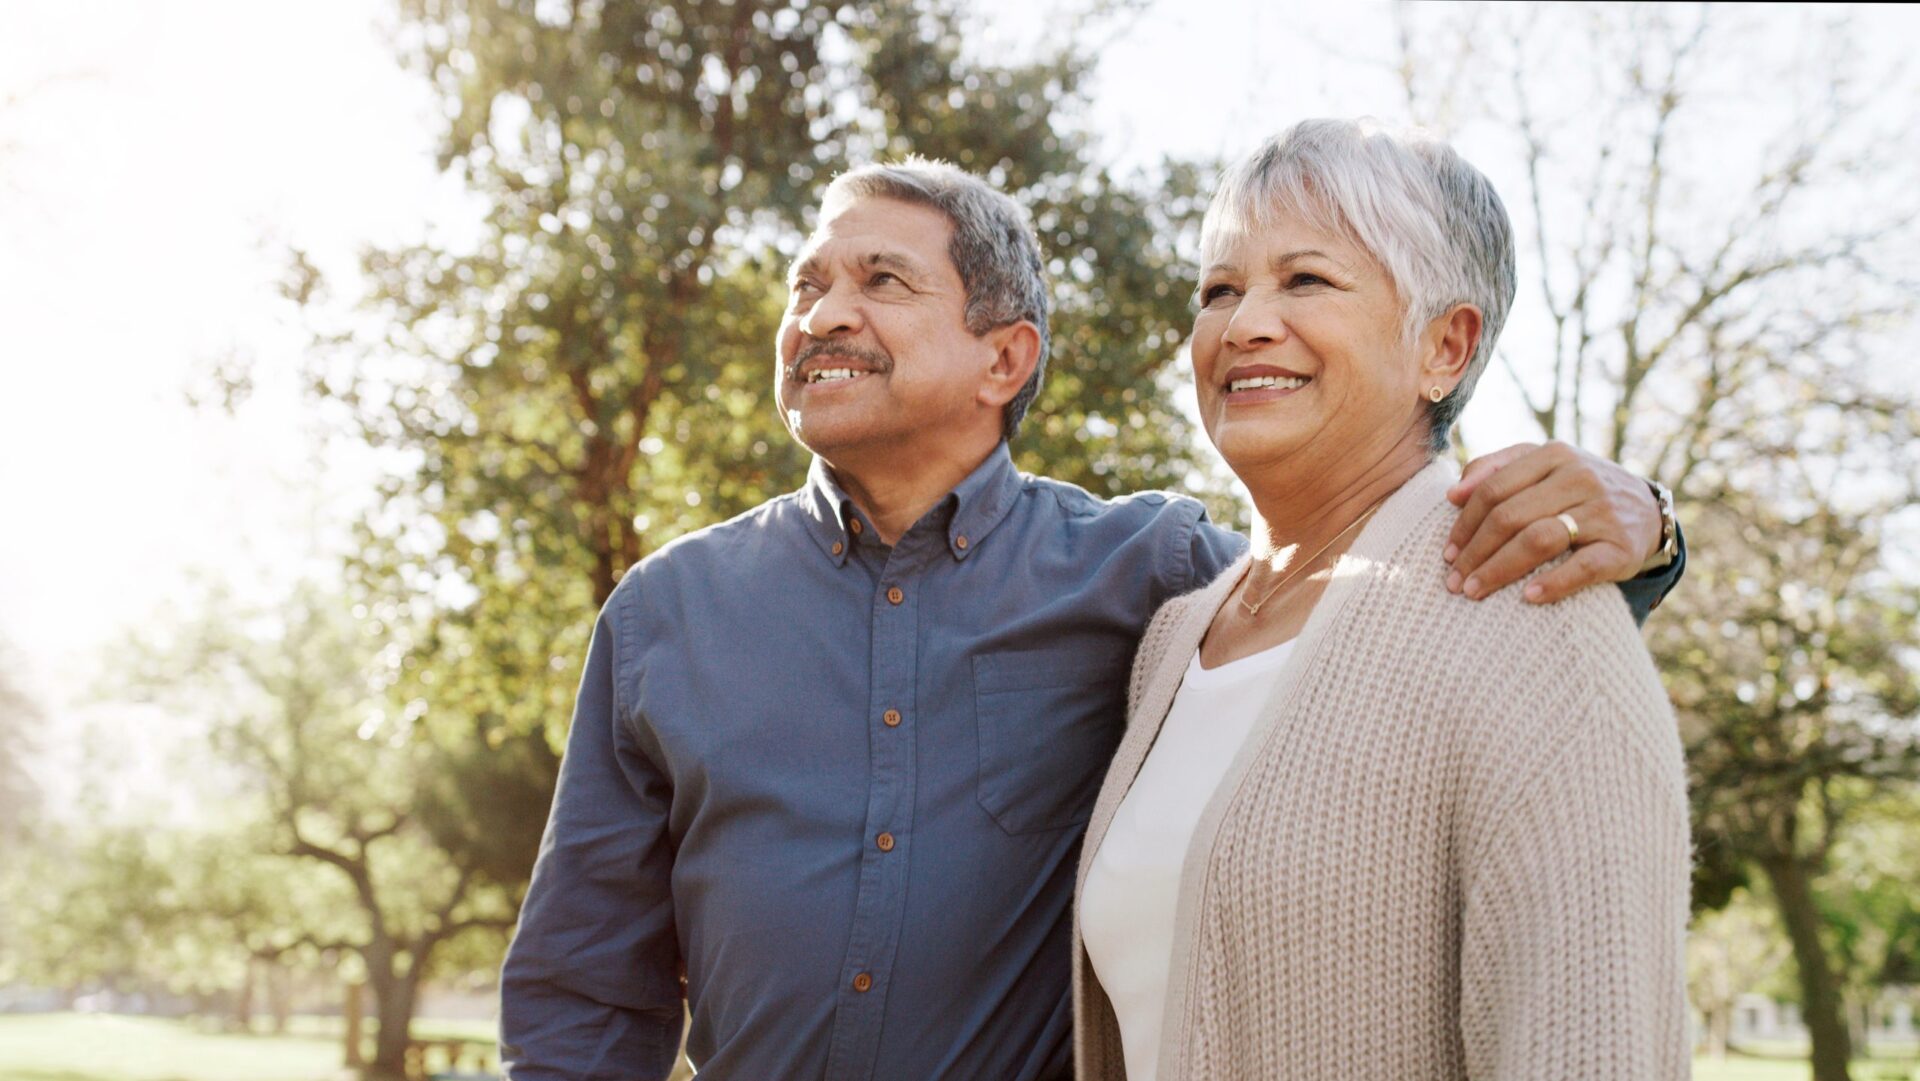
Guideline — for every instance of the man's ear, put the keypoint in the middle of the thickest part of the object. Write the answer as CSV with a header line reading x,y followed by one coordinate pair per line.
x,y
1016,349
1448,347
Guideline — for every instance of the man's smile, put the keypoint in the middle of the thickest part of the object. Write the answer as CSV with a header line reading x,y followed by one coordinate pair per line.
x,y
833,375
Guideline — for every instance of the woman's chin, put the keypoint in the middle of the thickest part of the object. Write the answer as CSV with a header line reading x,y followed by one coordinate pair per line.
x,y
1258,452
1259,434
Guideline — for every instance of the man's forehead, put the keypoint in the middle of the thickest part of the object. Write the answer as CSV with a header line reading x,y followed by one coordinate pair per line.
x,y
874,229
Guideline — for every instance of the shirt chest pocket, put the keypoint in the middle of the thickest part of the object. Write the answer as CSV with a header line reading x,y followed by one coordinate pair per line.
x,y
1048,723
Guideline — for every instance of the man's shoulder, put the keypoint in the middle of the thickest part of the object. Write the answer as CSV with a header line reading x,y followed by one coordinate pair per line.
x,y
1146,508
1189,549
723,543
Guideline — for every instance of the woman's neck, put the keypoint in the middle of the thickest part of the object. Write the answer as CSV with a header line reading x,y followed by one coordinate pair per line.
x,y
1296,511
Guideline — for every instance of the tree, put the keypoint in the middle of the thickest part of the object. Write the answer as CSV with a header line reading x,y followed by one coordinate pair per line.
x,y
19,799
164,908
19,716
1729,953
1871,904
295,697
591,377
83,907
1674,279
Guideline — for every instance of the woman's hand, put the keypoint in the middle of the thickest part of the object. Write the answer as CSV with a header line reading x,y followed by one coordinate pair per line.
x,y
1509,504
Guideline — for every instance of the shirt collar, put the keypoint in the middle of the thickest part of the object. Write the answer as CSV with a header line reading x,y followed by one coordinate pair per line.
x,y
974,507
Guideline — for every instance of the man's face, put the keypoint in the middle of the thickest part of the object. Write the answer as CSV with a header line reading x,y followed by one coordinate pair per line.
x,y
874,351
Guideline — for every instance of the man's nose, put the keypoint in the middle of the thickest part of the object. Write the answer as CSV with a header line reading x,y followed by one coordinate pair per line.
x,y
835,312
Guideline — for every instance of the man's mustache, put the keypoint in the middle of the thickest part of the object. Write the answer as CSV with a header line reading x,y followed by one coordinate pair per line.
x,y
873,358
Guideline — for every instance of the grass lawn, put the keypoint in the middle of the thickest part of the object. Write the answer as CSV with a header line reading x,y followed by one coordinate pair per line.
x,y
103,1047
1744,1068
110,1047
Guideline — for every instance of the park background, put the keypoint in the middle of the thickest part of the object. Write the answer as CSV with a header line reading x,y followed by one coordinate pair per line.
x,y
351,351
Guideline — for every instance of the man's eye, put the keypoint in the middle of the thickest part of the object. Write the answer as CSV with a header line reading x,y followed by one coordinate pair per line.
x,y
884,278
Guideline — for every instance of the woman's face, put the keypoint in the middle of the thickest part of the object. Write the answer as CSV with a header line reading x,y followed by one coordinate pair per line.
x,y
1298,357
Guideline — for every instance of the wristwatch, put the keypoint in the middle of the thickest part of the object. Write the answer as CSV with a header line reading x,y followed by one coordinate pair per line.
x,y
1669,529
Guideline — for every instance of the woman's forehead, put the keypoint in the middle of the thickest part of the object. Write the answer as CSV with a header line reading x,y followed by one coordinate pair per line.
x,y
1280,234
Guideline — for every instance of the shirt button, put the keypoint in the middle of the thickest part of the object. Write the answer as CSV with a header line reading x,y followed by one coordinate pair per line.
x,y
853,525
960,542
863,983
891,718
894,596
838,547
884,842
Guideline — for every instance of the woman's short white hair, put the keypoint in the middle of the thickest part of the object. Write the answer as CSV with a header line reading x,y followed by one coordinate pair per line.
x,y
1430,219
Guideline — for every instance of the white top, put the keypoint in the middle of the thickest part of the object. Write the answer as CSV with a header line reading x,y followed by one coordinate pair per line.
x,y
1127,906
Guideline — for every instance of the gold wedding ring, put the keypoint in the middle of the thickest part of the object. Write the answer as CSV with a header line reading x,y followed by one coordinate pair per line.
x,y
1573,528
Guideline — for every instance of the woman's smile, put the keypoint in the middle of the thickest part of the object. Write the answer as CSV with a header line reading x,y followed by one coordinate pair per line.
x,y
1252,384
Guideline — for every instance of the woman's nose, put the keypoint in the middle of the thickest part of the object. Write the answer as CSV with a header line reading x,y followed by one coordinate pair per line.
x,y
1255,323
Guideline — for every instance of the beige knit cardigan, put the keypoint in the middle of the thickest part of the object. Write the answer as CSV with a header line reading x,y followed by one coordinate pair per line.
x,y
1454,845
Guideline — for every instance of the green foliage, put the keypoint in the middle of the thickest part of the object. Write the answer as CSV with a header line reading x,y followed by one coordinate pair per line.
x,y
1871,904
151,907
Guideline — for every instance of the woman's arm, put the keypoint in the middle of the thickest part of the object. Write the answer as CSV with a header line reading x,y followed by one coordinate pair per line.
x,y
1575,883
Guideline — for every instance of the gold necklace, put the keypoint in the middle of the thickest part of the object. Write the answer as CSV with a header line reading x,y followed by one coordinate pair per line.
x,y
1254,608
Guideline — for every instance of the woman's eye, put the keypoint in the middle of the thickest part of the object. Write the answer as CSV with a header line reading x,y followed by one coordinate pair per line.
x,y
1215,293
1299,280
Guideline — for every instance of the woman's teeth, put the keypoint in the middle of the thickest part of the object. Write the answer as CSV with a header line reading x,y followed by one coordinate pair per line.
x,y
1262,382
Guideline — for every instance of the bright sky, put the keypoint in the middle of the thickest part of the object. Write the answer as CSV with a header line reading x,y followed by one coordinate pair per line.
x,y
157,157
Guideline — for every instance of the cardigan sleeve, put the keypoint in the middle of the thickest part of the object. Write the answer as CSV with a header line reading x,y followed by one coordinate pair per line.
x,y
1575,879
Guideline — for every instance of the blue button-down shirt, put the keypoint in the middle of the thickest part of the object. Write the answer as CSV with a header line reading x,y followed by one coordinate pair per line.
x,y
845,785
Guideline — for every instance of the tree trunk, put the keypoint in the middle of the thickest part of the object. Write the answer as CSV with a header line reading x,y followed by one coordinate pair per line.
x,y
393,997
354,1011
1719,1031
243,999
1821,1007
280,996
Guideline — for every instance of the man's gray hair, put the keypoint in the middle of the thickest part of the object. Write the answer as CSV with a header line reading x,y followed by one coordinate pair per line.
x,y
1429,218
993,248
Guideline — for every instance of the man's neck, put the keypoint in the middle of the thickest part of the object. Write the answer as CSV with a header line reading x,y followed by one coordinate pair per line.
x,y
895,493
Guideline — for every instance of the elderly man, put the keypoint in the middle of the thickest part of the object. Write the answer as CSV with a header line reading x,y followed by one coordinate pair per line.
x,y
831,761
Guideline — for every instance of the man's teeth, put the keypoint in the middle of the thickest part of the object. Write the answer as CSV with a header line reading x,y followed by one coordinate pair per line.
x,y
1262,382
829,375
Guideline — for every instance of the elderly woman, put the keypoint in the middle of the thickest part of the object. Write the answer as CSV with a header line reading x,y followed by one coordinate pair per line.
x,y
1359,826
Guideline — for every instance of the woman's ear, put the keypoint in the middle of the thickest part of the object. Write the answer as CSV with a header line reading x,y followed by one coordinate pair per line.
x,y
1449,345
1016,349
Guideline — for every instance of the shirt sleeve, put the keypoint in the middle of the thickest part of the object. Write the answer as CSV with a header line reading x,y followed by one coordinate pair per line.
x,y
1645,593
591,988
1572,962
1211,550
